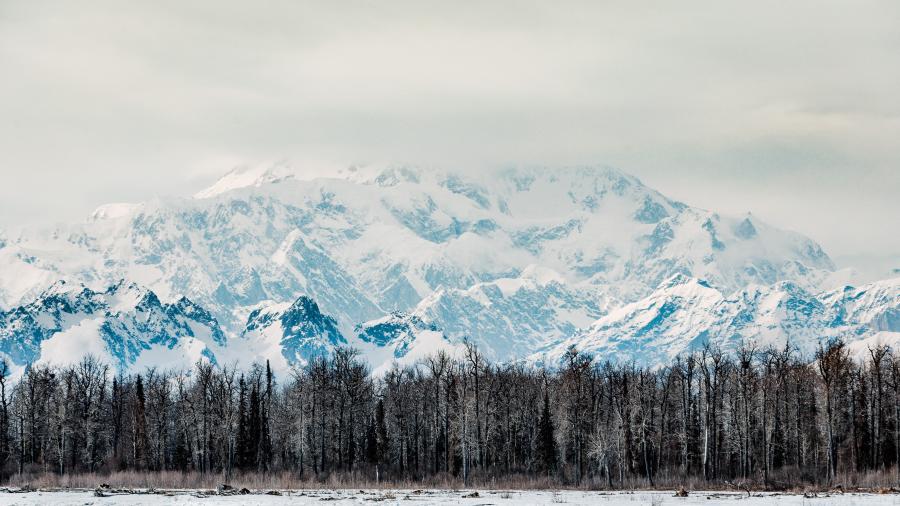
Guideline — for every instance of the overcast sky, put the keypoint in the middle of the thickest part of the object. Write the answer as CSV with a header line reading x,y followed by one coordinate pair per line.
x,y
790,110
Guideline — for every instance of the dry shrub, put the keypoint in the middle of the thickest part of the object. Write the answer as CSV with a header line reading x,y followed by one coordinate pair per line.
x,y
787,480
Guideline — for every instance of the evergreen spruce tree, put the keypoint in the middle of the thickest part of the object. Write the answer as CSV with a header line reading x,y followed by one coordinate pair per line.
x,y
266,417
242,445
546,444
371,455
182,456
117,408
254,427
265,440
140,424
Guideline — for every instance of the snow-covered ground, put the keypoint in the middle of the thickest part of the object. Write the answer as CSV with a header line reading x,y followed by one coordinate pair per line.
x,y
517,498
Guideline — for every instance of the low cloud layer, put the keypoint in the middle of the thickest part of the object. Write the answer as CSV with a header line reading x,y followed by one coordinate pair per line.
x,y
788,110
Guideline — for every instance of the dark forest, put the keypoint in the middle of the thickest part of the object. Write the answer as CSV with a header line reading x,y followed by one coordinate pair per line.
x,y
760,418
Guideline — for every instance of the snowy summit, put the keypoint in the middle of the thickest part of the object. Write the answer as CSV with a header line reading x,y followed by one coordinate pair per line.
x,y
400,261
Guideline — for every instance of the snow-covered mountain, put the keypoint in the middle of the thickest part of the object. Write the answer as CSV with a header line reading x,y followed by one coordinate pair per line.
x,y
389,237
126,326
517,260
402,338
290,333
511,317
685,313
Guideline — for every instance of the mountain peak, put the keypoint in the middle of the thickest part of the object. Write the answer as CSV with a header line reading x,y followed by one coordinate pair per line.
x,y
745,229
62,290
69,320
513,259
305,307
681,279
60,287
113,211
246,176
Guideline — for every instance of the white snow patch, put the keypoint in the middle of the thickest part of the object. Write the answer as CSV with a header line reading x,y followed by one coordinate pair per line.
x,y
75,343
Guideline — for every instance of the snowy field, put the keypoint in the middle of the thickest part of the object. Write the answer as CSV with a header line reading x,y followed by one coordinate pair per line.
x,y
483,498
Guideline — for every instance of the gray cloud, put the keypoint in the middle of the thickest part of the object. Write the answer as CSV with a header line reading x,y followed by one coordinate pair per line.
x,y
788,110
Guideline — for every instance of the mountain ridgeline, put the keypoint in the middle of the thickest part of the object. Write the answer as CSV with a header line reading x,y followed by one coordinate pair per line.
x,y
401,262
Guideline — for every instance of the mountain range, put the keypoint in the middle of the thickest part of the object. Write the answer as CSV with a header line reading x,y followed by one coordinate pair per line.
x,y
398,261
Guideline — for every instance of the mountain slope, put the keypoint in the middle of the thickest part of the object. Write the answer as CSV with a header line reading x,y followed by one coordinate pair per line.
x,y
402,339
686,313
375,240
511,317
288,334
125,325
402,261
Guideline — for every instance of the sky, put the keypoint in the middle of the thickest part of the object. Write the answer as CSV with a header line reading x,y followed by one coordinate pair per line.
x,y
789,110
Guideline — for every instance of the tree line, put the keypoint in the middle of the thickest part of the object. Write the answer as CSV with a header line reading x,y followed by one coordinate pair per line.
x,y
764,417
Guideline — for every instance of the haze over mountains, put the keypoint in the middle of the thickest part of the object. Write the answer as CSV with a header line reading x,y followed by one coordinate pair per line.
x,y
267,264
